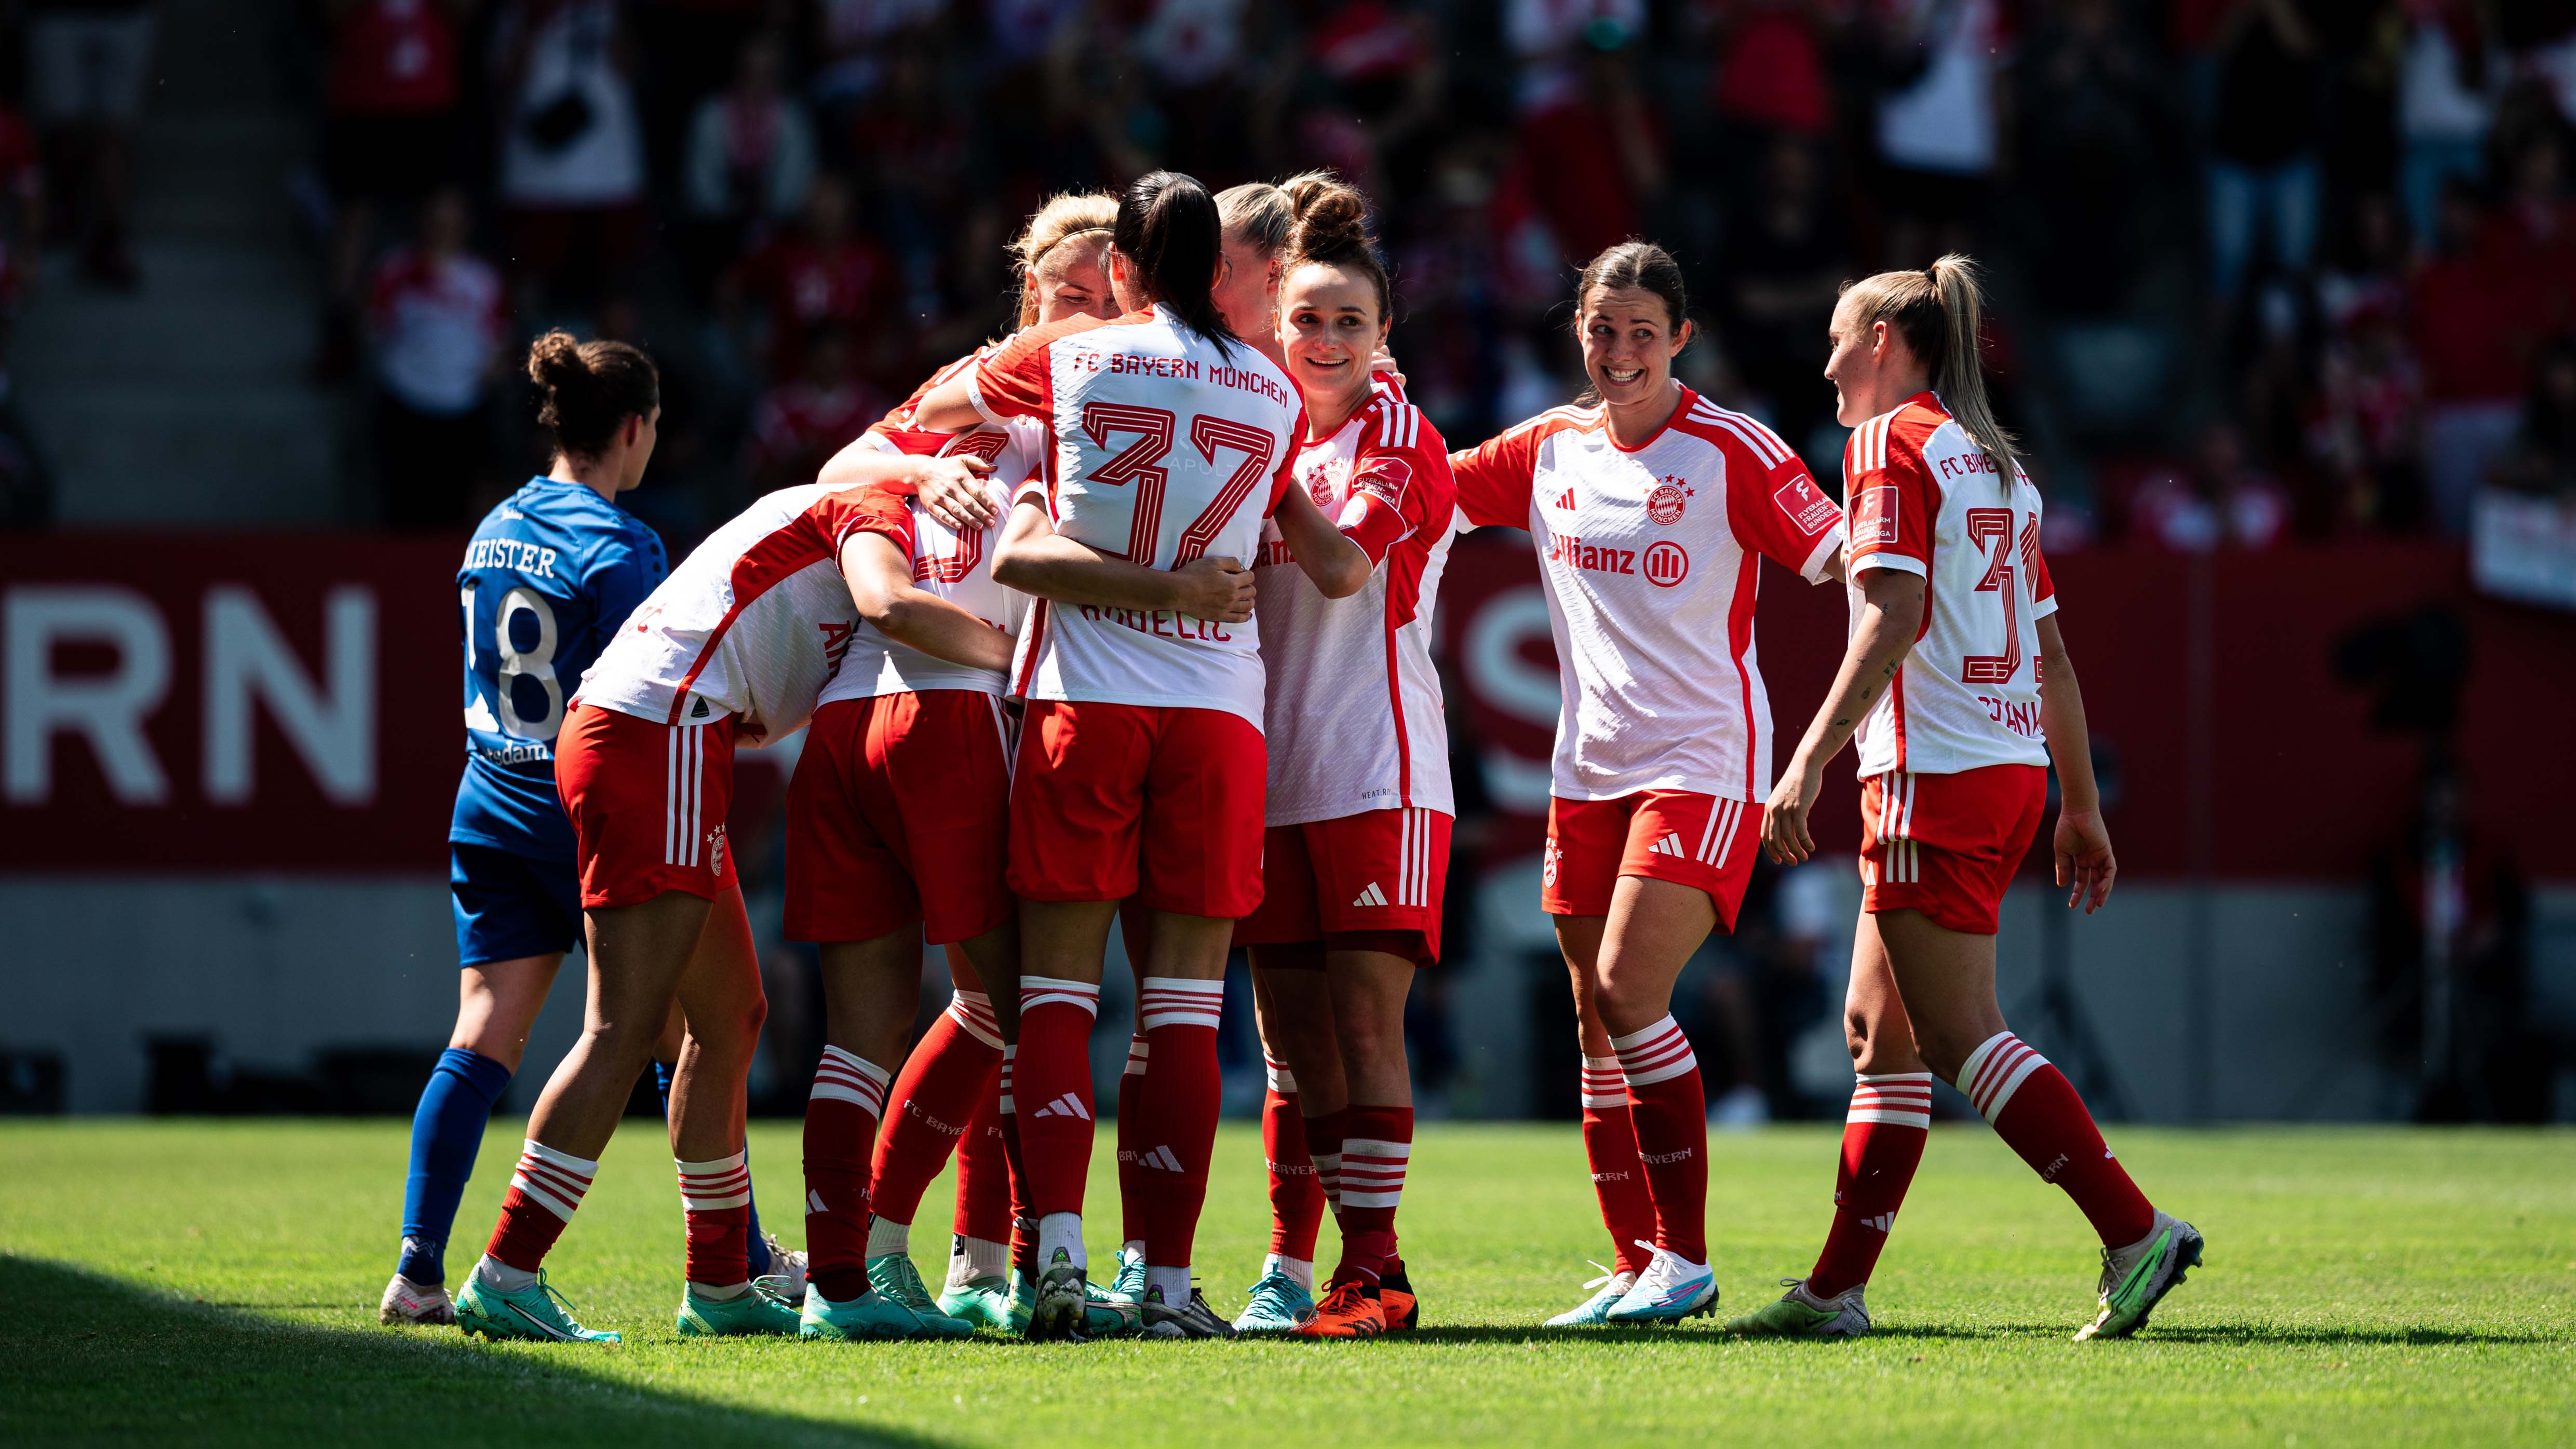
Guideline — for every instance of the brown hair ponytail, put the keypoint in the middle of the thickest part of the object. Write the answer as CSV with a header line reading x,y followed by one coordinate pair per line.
x,y
587,390
1940,312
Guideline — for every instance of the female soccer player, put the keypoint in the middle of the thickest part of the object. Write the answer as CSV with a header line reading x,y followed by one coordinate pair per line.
x,y
550,575
1358,810
1958,687
1663,744
1141,767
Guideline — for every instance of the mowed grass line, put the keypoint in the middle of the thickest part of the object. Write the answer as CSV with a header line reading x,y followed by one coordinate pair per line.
x,y
216,1283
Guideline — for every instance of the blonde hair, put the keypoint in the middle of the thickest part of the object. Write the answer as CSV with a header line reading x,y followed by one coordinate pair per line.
x,y
1071,216
1264,215
1939,311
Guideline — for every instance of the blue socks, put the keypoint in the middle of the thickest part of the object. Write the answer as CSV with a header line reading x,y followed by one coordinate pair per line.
x,y
446,1133
755,1247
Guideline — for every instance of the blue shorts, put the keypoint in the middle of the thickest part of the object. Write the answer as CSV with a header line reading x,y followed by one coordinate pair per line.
x,y
510,906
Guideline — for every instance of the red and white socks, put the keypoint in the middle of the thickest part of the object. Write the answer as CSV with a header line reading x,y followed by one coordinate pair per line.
x,y
942,1087
715,1200
1670,1110
1132,1187
1176,1121
1296,1196
1375,1153
1883,1137
2036,1111
1051,1091
840,1124
982,1227
543,1193
1618,1179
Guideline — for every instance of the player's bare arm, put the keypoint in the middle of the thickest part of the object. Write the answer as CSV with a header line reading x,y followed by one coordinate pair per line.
x,y
2082,845
1332,562
880,580
1035,559
952,488
1891,616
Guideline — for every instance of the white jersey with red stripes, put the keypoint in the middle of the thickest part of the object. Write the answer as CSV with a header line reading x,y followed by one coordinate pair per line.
x,y
1922,496
1353,718
954,566
753,623
1165,448
1651,557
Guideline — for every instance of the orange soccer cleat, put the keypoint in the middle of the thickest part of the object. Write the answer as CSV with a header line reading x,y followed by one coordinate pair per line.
x,y
1346,1312
1395,1299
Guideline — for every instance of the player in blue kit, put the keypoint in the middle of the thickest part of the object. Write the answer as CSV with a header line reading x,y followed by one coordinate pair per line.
x,y
550,576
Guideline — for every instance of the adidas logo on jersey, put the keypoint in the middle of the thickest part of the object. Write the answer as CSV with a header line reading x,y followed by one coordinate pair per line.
x,y
1669,845
1161,1159
1067,1105
1371,897
1566,502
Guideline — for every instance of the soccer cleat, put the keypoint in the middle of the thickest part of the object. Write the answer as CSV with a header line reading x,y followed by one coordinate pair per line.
x,y
1671,1289
1106,1311
1278,1305
786,1278
1396,1297
1801,1314
535,1312
1346,1312
1194,1319
870,1315
895,1277
1594,1311
410,1302
2136,1278
1129,1281
987,1302
1058,1312
748,1315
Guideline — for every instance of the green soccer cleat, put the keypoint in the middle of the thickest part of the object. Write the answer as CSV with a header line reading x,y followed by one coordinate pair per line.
x,y
749,1315
2136,1278
1278,1304
1594,1311
1107,1312
895,1277
1801,1314
1129,1283
870,1315
536,1312
986,1302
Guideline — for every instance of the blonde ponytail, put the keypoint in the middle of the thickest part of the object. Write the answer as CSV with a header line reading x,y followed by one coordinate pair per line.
x,y
1940,312
1070,217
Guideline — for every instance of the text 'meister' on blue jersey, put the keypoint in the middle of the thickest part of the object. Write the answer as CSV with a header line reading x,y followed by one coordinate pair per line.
x,y
549,577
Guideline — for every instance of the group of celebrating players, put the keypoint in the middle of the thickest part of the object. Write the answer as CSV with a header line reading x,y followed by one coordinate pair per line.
x,y
1126,617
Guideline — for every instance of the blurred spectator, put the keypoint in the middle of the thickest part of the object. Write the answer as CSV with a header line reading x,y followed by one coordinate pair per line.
x,y
1593,153
2093,133
2224,502
2445,102
435,315
1936,125
823,271
1786,259
749,161
2462,323
2366,416
572,157
87,64
389,136
2265,178
806,419
2541,460
1770,72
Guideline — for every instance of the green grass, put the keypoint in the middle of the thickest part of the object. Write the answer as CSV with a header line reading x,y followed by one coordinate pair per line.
x,y
217,1283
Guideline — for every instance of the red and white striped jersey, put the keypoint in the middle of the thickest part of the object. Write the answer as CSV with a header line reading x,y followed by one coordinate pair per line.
x,y
753,623
1921,496
1165,448
954,566
1353,715
1651,556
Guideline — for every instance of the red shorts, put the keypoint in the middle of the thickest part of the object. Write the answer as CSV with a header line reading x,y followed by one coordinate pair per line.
x,y
1947,845
1118,800
899,815
1676,835
1381,872
647,802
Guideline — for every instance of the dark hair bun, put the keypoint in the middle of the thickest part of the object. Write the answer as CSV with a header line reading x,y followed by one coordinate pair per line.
x,y
587,390
1331,217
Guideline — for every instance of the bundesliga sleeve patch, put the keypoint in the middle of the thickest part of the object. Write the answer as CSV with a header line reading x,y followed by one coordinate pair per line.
x,y
1807,506
1874,521
1385,479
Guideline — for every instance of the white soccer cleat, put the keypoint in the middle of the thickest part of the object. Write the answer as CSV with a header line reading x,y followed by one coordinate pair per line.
x,y
787,1271
409,1302
1671,1289
2136,1278
1594,1311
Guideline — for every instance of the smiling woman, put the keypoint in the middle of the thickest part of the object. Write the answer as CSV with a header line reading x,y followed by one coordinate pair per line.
x,y
1651,509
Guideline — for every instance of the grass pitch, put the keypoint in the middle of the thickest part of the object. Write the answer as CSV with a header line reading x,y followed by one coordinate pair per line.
x,y
216,1283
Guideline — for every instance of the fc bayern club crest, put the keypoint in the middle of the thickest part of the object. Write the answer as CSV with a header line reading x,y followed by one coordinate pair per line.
x,y
1664,505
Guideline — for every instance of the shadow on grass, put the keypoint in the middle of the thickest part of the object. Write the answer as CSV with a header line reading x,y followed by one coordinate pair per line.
x,y
86,1358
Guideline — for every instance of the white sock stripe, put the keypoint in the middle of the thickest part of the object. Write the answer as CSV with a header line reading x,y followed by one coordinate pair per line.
x,y
1278,1078
580,1167
722,1183
560,1204
973,1013
1894,1099
1375,1149
1037,991
1995,1070
1657,1054
1179,1001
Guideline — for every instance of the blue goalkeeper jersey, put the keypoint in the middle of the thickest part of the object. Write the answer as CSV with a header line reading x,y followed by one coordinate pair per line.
x,y
548,579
